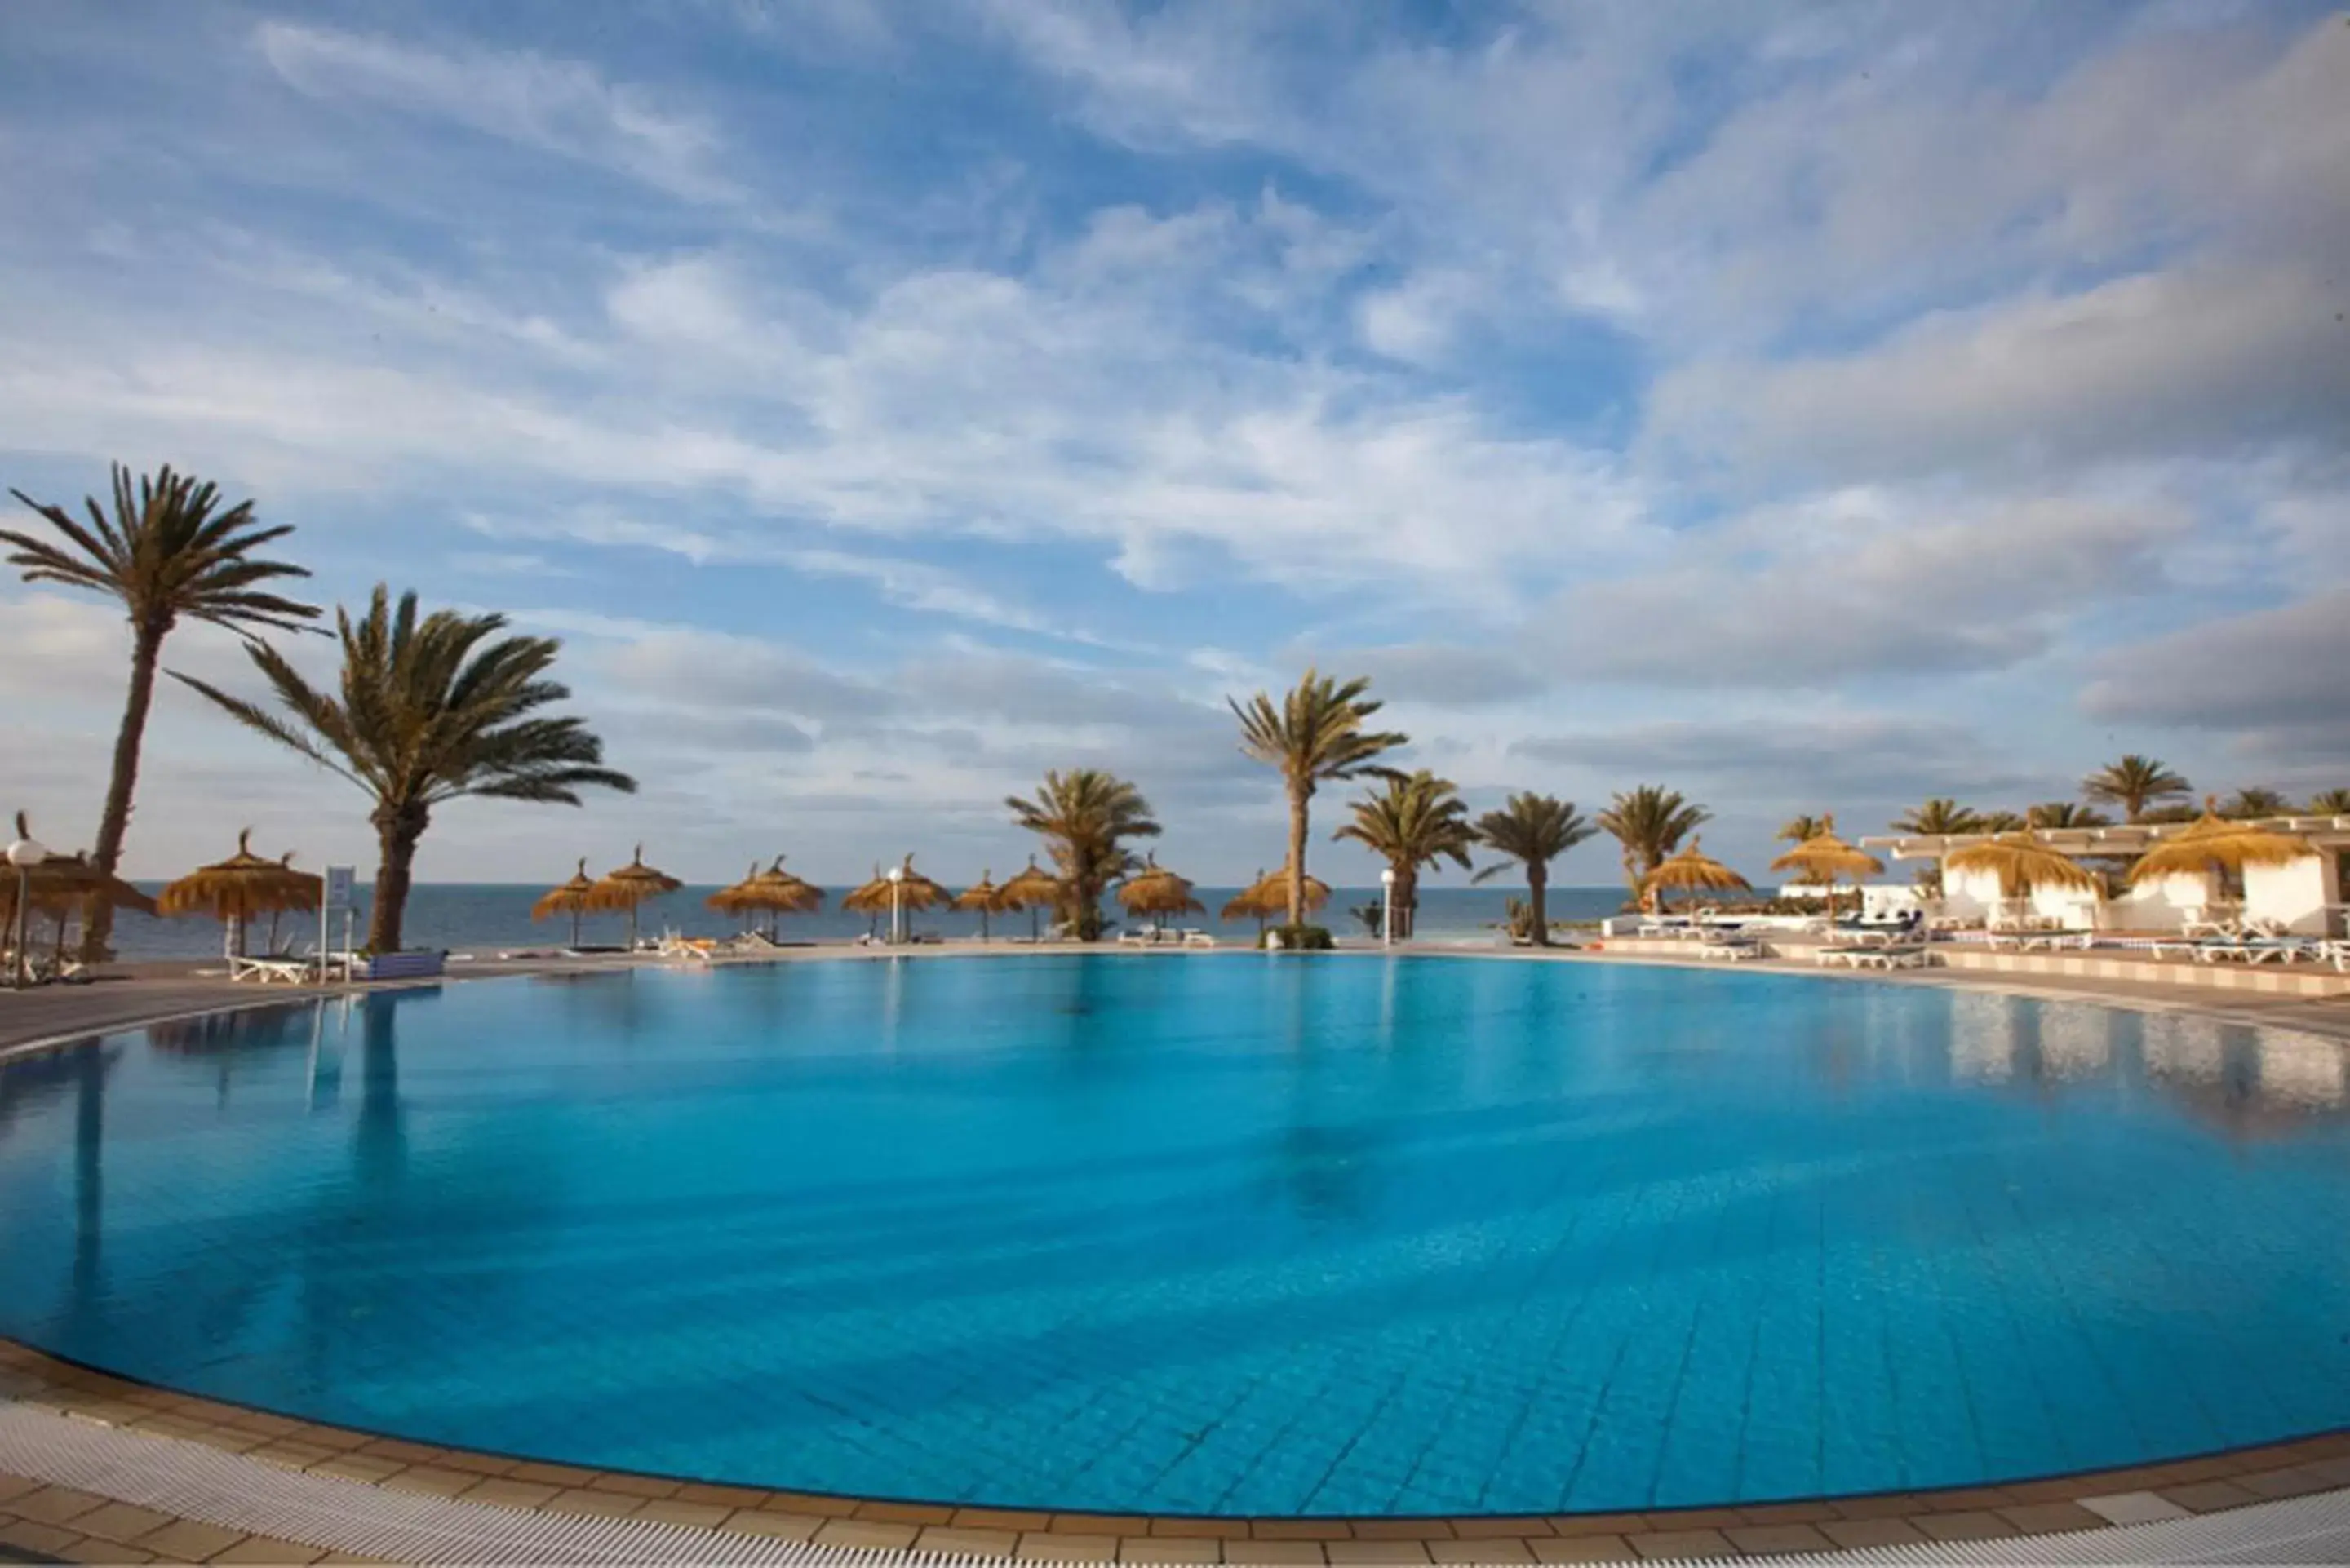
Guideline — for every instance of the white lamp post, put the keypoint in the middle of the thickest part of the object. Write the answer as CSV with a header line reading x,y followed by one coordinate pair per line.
x,y
897,877
1387,906
24,855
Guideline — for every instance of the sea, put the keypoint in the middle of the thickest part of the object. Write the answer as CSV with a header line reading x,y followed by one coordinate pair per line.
x,y
486,918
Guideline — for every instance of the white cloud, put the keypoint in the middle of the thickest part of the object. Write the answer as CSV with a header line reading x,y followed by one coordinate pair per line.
x,y
1820,758
2272,678
2155,364
557,106
1863,583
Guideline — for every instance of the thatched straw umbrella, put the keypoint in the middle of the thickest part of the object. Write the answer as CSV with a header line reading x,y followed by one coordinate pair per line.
x,y
739,899
871,901
574,898
1032,889
917,892
630,886
905,891
1157,892
1824,857
1269,896
2022,863
61,886
986,897
2214,845
241,887
780,892
1695,871
774,891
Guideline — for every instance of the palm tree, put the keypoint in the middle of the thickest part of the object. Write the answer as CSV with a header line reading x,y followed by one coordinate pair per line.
x,y
2134,783
2065,814
1940,817
1797,829
1999,821
1317,734
1413,822
1085,817
431,709
2330,803
1649,823
2256,802
169,553
1533,830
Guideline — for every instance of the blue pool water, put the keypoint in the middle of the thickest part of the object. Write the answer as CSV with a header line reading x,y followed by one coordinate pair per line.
x,y
1223,1233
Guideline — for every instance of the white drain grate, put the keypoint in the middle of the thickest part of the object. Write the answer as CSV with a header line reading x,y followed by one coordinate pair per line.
x,y
193,1481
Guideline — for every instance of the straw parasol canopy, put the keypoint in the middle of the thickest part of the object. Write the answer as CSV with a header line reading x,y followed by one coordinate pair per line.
x,y
739,898
574,898
2213,842
1695,871
1824,857
243,886
61,884
2022,863
1157,892
1268,895
1032,889
782,893
916,891
774,891
986,897
630,886
870,898
910,891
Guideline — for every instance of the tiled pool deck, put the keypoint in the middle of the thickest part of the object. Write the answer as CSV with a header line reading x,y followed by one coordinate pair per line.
x,y
55,1522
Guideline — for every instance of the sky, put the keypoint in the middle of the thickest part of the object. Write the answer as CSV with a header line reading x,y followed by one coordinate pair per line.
x,y
1809,408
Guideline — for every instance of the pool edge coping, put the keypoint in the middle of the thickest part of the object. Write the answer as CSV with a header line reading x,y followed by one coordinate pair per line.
x,y
2087,1499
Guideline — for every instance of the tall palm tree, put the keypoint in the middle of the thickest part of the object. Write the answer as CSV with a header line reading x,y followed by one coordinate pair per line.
x,y
169,553
1797,830
1938,818
2065,814
431,709
2255,802
1084,816
2330,803
1649,823
1533,830
1316,735
2135,782
1412,822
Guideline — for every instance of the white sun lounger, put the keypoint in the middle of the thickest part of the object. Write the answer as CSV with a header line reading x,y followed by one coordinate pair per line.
x,y
269,970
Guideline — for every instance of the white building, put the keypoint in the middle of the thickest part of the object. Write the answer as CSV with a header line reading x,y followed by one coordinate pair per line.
x,y
2305,896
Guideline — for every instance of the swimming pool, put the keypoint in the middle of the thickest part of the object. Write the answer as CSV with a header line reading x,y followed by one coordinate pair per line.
x,y
1209,1234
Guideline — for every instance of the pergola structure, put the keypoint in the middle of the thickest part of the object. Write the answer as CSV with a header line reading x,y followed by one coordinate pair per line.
x,y
2305,896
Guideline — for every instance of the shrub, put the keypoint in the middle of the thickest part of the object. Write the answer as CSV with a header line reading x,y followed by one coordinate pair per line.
x,y
1300,939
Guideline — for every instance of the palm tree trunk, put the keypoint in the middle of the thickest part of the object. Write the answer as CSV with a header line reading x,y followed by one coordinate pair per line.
x,y
1537,879
396,835
1297,825
1406,900
97,921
